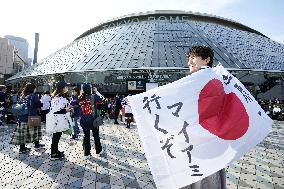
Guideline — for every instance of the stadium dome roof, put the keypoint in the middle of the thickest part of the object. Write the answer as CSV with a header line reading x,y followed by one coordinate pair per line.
x,y
160,40
184,15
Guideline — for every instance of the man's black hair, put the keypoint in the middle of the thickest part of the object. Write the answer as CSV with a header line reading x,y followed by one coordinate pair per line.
x,y
75,89
202,51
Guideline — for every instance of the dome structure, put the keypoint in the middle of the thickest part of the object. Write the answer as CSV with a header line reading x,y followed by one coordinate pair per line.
x,y
156,42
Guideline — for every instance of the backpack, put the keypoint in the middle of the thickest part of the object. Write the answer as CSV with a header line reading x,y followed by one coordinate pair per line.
x,y
87,106
87,117
20,108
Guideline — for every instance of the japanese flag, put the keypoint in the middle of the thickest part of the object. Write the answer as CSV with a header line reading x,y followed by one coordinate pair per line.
x,y
196,126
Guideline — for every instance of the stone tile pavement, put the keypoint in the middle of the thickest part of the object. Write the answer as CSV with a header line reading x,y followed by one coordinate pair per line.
x,y
124,165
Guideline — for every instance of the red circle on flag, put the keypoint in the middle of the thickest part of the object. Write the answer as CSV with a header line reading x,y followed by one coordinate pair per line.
x,y
223,115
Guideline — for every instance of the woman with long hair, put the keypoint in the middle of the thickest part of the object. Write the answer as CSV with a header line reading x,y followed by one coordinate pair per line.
x,y
59,105
25,133
87,117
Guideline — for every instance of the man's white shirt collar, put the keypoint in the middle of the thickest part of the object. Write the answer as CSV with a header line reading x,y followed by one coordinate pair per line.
x,y
204,67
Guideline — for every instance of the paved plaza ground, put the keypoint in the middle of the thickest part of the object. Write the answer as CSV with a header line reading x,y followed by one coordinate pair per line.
x,y
124,165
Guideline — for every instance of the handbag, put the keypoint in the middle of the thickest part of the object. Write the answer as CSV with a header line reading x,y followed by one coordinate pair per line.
x,y
56,123
70,123
50,123
19,109
98,121
34,121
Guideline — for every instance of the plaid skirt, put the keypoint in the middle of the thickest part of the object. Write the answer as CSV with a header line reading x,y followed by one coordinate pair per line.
x,y
25,134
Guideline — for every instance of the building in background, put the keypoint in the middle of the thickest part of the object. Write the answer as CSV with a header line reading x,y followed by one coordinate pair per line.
x,y
6,59
22,46
126,54
10,61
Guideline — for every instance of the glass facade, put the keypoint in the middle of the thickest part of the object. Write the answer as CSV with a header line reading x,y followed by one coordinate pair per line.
x,y
154,46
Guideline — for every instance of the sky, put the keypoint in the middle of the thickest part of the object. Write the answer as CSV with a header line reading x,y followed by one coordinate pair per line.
x,y
59,22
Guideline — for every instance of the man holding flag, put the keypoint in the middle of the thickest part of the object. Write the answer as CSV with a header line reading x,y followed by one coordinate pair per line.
x,y
201,57
193,128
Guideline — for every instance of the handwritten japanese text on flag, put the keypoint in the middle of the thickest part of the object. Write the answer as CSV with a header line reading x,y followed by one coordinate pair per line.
x,y
195,126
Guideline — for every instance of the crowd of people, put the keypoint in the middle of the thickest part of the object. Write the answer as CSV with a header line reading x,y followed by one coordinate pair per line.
x,y
273,108
108,108
82,105
116,108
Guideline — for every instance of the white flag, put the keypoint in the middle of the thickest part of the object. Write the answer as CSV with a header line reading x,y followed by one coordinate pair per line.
x,y
196,126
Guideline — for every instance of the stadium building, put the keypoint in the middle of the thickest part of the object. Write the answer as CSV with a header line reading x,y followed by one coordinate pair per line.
x,y
136,52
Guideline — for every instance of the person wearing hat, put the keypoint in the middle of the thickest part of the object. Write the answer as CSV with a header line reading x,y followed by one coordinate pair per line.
x,y
59,105
86,121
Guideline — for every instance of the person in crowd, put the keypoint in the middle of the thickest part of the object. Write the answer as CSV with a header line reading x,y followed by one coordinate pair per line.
x,y
269,111
45,100
117,107
75,112
273,108
86,121
113,108
128,113
25,133
109,108
98,98
122,110
4,100
14,97
276,112
59,105
103,108
201,57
